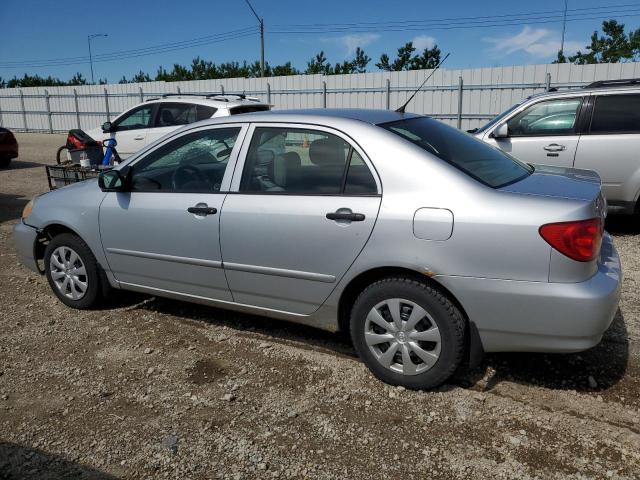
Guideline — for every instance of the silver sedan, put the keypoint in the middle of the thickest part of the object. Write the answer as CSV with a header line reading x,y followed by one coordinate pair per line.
x,y
427,245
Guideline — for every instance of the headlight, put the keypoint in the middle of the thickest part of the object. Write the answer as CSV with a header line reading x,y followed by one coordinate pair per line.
x,y
28,208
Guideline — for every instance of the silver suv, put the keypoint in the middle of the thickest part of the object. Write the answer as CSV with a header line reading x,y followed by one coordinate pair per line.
x,y
424,243
596,128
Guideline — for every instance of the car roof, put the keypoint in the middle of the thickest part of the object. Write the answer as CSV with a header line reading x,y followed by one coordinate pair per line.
x,y
623,89
319,116
219,102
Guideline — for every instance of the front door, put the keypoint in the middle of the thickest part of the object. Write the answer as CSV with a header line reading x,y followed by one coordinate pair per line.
x,y
299,213
164,233
130,130
543,133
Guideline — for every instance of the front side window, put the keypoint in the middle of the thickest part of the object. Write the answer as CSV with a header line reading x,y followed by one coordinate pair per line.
x,y
302,161
194,162
136,119
553,117
616,114
483,162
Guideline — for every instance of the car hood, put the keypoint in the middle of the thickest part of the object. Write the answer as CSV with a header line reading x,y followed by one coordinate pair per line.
x,y
561,182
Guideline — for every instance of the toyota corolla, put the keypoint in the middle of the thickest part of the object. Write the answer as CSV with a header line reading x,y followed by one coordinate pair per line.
x,y
425,244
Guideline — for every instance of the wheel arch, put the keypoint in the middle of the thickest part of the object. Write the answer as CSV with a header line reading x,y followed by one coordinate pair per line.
x,y
357,284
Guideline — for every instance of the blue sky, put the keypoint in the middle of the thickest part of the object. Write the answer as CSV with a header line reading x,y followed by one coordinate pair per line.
x,y
44,30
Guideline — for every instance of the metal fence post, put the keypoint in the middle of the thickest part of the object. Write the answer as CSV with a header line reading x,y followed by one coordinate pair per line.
x,y
460,90
268,93
141,95
221,89
75,99
24,113
178,89
1,121
324,94
388,94
48,103
548,81
106,104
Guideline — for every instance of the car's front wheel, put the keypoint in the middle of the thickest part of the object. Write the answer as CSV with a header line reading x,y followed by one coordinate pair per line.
x,y
72,271
408,333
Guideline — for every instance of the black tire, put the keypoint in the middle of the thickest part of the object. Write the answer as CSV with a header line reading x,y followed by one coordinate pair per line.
x,y
4,162
447,317
59,154
94,279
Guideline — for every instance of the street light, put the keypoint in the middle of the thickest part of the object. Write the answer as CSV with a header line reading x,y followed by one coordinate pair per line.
x,y
261,38
89,37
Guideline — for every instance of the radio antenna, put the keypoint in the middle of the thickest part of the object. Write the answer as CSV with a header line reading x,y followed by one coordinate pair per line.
x,y
401,109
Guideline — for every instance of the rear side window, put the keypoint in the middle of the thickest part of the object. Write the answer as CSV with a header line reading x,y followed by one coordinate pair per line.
x,y
304,162
616,114
249,109
553,117
174,114
203,112
486,164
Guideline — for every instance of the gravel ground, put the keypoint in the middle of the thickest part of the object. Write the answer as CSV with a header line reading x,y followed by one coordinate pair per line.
x,y
153,388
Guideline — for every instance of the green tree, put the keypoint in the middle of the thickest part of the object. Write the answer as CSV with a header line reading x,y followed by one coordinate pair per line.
x,y
406,60
360,61
284,70
612,47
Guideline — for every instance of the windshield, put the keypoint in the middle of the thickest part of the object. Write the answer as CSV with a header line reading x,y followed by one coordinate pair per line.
x,y
483,162
497,119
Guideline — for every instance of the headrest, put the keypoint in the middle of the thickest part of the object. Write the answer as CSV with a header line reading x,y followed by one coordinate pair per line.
x,y
284,164
264,157
167,117
327,151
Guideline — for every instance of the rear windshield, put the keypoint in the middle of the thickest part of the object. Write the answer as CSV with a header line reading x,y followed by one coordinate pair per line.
x,y
249,109
474,157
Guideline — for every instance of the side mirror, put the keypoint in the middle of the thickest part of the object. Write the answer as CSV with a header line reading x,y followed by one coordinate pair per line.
x,y
112,181
107,127
502,131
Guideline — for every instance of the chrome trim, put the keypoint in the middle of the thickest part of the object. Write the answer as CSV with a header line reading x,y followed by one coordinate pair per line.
x,y
280,272
167,258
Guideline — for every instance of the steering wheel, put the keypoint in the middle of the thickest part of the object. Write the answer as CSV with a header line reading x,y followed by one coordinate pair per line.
x,y
186,173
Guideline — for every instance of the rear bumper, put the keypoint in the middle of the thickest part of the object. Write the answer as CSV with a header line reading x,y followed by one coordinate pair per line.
x,y
539,316
25,240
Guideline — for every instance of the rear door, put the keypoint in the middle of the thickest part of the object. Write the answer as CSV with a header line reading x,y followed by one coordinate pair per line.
x,y
173,115
544,133
611,146
300,210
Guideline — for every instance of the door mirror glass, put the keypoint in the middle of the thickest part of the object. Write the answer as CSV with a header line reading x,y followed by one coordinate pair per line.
x,y
107,127
502,131
111,181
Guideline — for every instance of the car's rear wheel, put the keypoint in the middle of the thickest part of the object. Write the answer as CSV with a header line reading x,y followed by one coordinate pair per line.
x,y
72,271
408,333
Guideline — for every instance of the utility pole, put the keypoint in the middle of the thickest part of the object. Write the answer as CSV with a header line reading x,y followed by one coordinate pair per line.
x,y
89,37
564,27
261,22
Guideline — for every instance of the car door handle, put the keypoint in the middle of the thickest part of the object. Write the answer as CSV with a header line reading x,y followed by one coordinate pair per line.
x,y
554,147
202,210
139,138
353,217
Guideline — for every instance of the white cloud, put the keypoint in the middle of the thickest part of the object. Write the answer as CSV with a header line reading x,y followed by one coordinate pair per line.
x,y
423,41
537,42
351,42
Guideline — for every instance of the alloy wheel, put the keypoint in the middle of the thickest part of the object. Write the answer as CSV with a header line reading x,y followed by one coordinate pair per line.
x,y
68,273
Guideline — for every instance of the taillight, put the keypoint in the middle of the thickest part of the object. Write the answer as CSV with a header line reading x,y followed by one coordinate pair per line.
x,y
74,143
579,240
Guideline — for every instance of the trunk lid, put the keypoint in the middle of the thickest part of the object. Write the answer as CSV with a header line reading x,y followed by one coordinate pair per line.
x,y
560,182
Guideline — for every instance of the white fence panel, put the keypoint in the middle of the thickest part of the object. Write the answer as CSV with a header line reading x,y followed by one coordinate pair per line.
x,y
486,92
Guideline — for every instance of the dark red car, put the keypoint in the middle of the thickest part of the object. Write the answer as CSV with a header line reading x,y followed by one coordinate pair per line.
x,y
8,147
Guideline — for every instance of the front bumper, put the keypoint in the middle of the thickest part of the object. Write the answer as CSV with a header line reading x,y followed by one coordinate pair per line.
x,y
540,316
25,240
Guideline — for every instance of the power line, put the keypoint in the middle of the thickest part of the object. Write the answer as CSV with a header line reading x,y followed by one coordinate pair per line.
x,y
133,53
492,17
